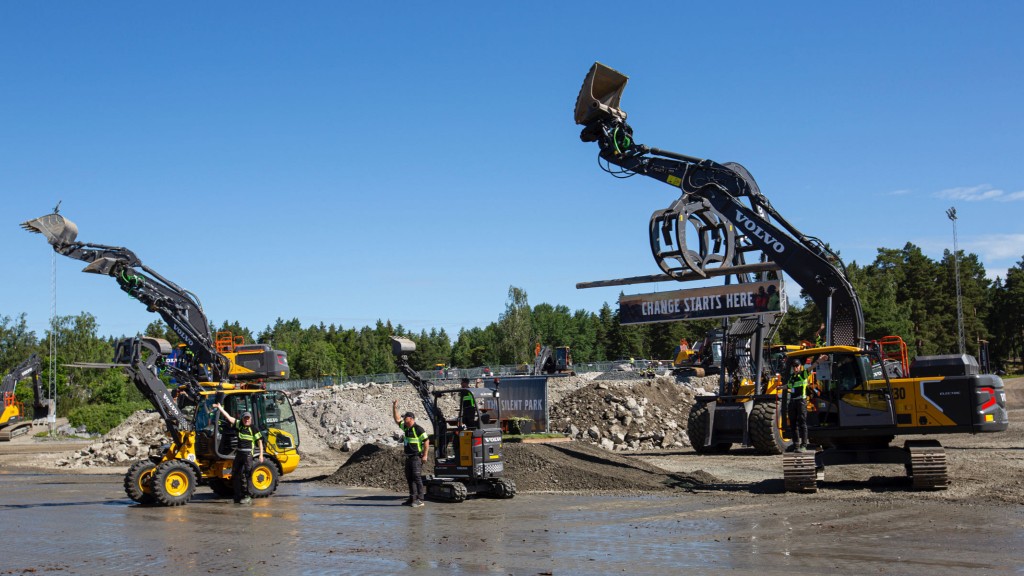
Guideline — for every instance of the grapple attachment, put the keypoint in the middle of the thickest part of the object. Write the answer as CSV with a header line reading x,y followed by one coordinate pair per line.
x,y
600,95
57,229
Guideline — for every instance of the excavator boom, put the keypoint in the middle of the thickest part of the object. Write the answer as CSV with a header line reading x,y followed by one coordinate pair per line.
x,y
708,186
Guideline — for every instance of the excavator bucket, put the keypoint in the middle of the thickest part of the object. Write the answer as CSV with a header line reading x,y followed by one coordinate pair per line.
x,y
402,346
600,94
57,229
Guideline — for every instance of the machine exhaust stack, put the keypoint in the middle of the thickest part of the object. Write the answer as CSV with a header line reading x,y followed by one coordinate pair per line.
x,y
57,229
600,95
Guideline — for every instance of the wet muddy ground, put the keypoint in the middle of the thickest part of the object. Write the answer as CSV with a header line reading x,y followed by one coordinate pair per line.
x,y
83,524
735,518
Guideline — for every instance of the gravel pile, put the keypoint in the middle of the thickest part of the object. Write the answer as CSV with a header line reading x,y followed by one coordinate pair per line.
x,y
630,414
128,442
562,467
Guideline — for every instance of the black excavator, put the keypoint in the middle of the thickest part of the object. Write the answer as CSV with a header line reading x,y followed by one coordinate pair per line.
x,y
201,446
467,449
14,420
860,410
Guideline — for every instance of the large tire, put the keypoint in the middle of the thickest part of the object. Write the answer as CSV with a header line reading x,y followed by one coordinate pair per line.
x,y
697,430
765,428
222,488
264,477
138,482
174,482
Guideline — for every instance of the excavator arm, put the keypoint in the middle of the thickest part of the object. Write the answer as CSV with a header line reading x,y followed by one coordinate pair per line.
x,y
141,358
725,189
402,347
30,368
179,308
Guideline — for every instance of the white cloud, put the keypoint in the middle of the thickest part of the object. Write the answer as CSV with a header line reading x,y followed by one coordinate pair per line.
x,y
979,193
993,247
993,273
899,193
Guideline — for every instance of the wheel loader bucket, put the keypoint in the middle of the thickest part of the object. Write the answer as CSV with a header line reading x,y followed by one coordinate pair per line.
x,y
402,346
57,229
600,94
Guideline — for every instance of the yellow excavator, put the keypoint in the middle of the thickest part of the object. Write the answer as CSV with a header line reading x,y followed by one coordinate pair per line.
x,y
14,420
863,406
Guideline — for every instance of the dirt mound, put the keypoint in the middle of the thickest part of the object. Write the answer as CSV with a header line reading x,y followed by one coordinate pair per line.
x,y
561,467
374,466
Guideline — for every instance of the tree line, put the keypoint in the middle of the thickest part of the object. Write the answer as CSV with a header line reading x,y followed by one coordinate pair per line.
x,y
903,292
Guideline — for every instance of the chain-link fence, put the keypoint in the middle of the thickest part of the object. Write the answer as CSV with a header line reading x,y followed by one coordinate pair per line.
x,y
450,375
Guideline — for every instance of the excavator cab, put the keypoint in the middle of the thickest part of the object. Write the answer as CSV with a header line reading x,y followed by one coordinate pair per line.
x,y
847,395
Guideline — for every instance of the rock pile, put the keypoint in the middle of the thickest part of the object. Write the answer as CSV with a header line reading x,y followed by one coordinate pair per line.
x,y
128,442
634,414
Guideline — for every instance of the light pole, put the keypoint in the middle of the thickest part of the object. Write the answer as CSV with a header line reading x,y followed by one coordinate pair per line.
x,y
951,214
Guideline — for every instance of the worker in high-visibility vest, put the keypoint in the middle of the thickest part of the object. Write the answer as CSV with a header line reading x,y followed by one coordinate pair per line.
x,y
796,385
417,448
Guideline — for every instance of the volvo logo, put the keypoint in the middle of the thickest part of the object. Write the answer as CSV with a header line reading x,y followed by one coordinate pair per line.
x,y
758,232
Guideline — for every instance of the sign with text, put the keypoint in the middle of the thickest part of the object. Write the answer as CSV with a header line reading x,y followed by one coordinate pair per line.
x,y
524,397
699,303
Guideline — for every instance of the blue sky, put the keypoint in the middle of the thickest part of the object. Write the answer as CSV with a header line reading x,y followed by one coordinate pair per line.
x,y
344,162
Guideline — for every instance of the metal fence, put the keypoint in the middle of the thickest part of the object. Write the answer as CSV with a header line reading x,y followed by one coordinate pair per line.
x,y
448,375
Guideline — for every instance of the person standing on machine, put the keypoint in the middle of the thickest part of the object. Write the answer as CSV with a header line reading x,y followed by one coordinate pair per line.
x,y
796,386
248,438
417,447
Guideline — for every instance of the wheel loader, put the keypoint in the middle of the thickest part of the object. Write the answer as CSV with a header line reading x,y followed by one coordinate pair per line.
x,y
201,448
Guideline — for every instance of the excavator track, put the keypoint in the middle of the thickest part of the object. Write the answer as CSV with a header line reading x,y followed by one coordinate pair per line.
x,y
14,430
446,490
799,472
927,465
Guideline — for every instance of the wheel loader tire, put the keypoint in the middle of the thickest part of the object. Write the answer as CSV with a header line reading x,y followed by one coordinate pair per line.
x,y
765,428
264,478
138,482
697,429
174,482
222,488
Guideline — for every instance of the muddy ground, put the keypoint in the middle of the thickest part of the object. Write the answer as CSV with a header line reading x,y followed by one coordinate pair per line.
x,y
580,510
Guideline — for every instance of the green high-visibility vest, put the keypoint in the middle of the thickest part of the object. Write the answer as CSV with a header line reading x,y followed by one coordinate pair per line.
x,y
415,440
246,434
798,384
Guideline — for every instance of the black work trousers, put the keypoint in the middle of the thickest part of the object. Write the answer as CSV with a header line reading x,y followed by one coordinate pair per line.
x,y
798,420
241,469
414,475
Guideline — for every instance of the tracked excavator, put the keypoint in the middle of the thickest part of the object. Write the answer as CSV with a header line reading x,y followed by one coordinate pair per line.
x,y
14,420
862,409
201,445
467,449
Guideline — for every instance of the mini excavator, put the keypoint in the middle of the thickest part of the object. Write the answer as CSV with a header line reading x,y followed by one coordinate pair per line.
x,y
14,421
862,408
202,445
467,449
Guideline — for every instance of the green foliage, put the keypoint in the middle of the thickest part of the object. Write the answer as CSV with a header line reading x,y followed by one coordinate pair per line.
x,y
514,328
100,418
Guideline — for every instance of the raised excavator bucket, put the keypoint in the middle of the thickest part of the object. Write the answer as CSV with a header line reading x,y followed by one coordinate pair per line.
x,y
600,94
402,346
57,229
